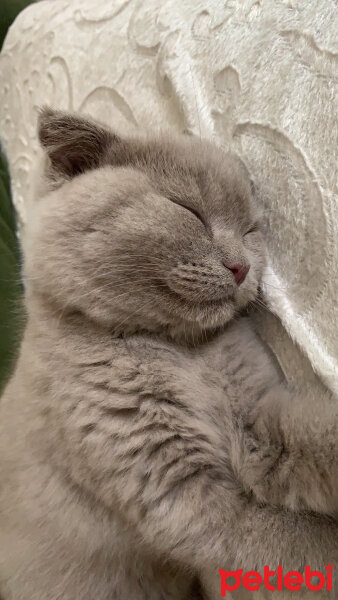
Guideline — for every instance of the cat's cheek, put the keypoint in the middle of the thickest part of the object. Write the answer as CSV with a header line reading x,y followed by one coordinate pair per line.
x,y
255,247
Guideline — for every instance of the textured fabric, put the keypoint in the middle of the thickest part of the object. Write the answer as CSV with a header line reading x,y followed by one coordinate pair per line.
x,y
9,10
259,77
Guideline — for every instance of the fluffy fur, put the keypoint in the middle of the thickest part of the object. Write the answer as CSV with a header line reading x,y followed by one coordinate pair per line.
x,y
147,437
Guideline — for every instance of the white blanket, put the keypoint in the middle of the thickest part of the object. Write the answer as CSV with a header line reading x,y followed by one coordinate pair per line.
x,y
258,76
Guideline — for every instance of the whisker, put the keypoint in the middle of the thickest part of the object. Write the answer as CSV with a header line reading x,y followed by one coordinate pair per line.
x,y
264,283
118,326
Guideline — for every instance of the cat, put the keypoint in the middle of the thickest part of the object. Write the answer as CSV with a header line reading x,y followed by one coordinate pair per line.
x,y
147,437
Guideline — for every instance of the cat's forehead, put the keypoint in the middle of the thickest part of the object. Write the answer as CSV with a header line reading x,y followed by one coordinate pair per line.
x,y
198,172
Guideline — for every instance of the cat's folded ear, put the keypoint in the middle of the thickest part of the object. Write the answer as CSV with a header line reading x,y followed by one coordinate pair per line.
x,y
73,144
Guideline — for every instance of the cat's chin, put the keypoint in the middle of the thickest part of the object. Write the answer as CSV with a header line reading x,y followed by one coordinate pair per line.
x,y
213,314
204,321
192,324
177,318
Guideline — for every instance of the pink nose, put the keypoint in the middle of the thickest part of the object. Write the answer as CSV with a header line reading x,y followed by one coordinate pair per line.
x,y
239,271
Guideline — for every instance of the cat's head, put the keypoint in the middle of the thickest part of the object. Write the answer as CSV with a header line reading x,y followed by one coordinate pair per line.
x,y
143,233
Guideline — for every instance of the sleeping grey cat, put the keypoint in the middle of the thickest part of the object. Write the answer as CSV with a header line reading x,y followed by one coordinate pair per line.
x,y
146,436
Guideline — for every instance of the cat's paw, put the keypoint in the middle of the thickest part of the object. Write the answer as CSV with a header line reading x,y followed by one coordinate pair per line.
x,y
263,450
290,452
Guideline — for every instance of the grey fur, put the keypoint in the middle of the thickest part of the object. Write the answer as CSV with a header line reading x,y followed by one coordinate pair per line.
x,y
147,437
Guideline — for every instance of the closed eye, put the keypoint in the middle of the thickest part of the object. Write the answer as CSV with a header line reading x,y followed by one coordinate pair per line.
x,y
193,211
253,229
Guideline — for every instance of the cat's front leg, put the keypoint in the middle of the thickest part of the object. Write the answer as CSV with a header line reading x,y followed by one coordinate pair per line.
x,y
166,467
290,450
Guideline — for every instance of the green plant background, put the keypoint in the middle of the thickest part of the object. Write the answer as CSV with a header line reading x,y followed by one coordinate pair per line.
x,y
10,287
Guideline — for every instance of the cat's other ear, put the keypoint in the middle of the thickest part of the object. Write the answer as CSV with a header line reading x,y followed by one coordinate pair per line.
x,y
72,143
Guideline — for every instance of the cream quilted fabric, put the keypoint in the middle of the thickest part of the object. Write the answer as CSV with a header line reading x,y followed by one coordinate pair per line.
x,y
258,76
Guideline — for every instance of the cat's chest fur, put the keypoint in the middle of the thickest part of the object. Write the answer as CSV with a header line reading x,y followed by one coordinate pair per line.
x,y
235,368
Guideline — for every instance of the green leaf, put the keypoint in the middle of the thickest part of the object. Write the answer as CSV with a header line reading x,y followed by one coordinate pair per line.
x,y
10,286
